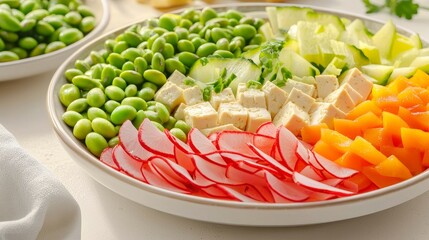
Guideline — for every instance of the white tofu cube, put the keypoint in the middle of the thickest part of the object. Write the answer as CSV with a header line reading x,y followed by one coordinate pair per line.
x,y
324,112
179,79
326,84
257,117
223,97
241,87
170,95
201,115
301,99
233,113
292,117
252,98
208,131
309,89
275,97
179,113
354,95
192,95
341,99
358,81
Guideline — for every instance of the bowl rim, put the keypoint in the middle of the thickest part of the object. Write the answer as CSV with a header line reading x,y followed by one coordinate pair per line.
x,y
102,22
64,133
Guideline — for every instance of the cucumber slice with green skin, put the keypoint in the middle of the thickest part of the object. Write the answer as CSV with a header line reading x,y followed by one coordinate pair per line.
x,y
307,40
355,33
291,15
342,51
272,17
296,64
253,54
383,39
359,57
371,52
267,31
380,73
209,69
402,44
325,19
335,67
403,71
422,63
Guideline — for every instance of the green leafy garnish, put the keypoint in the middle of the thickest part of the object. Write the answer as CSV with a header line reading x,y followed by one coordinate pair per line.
x,y
400,8
219,85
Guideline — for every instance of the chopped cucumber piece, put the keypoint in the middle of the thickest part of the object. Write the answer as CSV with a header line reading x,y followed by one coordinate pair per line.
x,y
403,71
356,32
325,19
383,39
291,15
422,63
401,44
253,54
380,73
335,67
267,31
296,64
307,40
272,17
371,52
359,57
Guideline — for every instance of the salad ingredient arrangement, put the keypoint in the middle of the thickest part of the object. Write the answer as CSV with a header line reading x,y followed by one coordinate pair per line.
x,y
33,27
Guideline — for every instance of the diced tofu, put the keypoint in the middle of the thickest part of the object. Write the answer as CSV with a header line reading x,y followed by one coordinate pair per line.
x,y
257,117
208,131
201,115
252,98
358,81
326,84
223,97
323,112
307,88
274,96
241,87
192,95
179,113
178,78
354,95
301,99
170,95
234,113
292,117
341,99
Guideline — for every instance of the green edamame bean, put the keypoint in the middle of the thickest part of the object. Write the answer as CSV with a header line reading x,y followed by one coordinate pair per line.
x,y
166,21
70,35
177,132
234,14
208,13
170,123
247,20
140,65
114,93
168,51
140,116
96,71
55,21
158,62
38,50
159,30
85,11
116,60
152,115
257,39
185,45
171,38
8,36
119,82
28,6
107,75
133,39
182,33
148,55
172,64
122,113
131,90
188,58
86,82
224,54
82,128
96,97
37,14
103,127
113,142
136,102
132,77
151,40
111,105
185,23
182,125
196,27
95,112
222,44
9,22
27,24
158,45
163,113
87,24
58,9
109,44
132,53
73,18
219,33
206,49
155,76
27,43
96,57
158,125
44,29
54,46
71,118
146,93
95,143
128,66
68,93
197,42
71,73
79,105
22,53
246,31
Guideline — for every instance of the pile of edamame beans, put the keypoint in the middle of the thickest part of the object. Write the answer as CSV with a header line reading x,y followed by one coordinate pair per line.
x,y
118,82
30,28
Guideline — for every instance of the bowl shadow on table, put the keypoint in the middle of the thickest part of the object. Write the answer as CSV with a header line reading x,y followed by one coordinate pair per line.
x,y
132,219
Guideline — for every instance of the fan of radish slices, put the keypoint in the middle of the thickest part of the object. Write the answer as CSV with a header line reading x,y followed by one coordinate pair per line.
x,y
271,165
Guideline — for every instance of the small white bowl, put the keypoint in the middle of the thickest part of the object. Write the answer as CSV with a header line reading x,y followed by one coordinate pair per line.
x,y
50,61
221,211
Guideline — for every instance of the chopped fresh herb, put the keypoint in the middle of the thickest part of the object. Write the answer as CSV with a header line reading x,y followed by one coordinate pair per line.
x,y
207,93
253,84
400,8
189,81
204,61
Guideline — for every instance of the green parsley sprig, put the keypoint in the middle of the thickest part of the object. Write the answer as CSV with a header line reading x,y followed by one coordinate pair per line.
x,y
400,8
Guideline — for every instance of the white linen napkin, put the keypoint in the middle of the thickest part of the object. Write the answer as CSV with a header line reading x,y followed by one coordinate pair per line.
x,y
33,203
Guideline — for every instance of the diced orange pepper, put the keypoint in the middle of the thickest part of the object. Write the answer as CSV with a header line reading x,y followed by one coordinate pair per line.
x,y
347,127
411,158
420,78
377,137
409,97
336,140
362,108
392,167
415,139
392,125
351,160
366,150
311,133
360,180
408,117
379,180
369,120
326,150
425,160
422,118
399,84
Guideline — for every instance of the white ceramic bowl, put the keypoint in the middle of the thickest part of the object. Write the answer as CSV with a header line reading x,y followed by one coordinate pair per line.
x,y
218,211
46,62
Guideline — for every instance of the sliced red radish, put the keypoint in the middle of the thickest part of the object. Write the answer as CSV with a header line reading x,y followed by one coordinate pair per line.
x,y
201,144
267,129
184,147
318,186
286,189
184,159
237,195
302,152
312,173
271,161
287,145
173,175
264,143
332,181
333,168
320,196
313,162
154,140
155,179
212,171
106,157
128,138
231,156
235,141
126,163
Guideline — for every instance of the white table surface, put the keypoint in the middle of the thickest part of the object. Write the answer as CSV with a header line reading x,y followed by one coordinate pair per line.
x,y
106,215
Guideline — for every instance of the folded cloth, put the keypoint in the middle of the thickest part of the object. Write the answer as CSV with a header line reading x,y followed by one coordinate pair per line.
x,y
33,203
